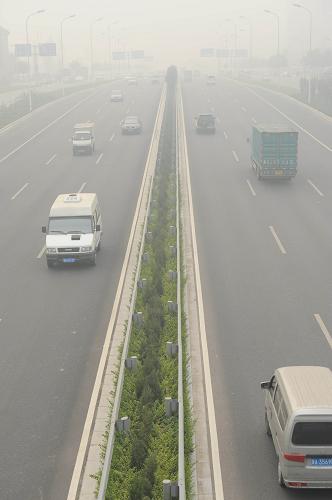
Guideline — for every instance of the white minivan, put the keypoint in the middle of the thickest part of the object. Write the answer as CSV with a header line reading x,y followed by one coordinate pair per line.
x,y
74,229
298,416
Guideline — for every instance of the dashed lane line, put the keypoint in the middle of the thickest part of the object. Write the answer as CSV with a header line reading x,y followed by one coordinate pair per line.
x,y
82,187
111,138
277,239
254,120
315,188
236,158
20,191
244,109
225,135
99,158
50,159
325,331
253,192
41,253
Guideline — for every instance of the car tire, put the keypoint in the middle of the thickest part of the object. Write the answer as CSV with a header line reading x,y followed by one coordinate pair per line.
x,y
267,426
280,477
50,263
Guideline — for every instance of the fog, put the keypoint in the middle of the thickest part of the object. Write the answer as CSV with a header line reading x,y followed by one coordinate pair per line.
x,y
171,31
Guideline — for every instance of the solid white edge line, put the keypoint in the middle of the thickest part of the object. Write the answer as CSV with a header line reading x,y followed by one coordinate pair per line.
x,y
99,158
218,484
51,159
79,462
41,253
324,329
225,135
291,120
280,245
82,187
315,188
236,158
37,134
20,191
253,192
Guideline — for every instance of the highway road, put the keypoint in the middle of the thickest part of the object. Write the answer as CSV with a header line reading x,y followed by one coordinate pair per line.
x,y
53,322
265,260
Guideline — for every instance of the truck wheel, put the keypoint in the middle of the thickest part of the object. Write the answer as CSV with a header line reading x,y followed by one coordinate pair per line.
x,y
50,263
280,477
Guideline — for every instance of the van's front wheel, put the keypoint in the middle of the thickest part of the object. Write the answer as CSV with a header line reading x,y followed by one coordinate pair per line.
x,y
280,477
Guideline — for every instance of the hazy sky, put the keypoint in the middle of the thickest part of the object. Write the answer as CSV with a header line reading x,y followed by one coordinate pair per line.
x,y
170,30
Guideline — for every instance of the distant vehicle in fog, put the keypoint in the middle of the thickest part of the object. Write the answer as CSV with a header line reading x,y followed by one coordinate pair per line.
x,y
83,140
131,125
116,96
211,80
205,123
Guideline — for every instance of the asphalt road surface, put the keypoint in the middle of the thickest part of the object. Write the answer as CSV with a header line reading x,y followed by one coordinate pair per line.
x,y
53,322
265,259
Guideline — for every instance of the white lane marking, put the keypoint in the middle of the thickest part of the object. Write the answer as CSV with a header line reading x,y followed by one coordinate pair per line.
x,y
37,134
225,135
254,120
99,158
324,329
244,109
76,475
50,160
236,158
251,188
111,138
82,187
292,121
218,483
218,119
41,253
20,191
315,188
280,245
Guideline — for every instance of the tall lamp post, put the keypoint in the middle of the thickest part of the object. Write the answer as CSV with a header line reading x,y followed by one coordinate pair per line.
x,y
29,51
61,43
274,14
91,44
234,50
299,6
245,18
110,47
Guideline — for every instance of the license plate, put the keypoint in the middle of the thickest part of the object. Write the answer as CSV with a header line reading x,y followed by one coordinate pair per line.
x,y
69,260
279,172
321,461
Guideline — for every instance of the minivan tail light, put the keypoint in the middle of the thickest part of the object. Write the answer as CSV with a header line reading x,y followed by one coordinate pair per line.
x,y
294,457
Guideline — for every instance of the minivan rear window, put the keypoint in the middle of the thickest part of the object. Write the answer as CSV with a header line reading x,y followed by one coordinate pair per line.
x,y
312,434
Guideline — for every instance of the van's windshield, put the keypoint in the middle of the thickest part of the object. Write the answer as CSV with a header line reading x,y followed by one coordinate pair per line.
x,y
65,225
312,434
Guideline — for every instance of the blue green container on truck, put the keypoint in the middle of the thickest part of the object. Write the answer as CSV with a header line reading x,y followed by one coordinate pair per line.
x,y
274,151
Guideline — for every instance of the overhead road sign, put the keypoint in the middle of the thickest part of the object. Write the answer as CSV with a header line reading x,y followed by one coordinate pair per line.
x,y
47,49
22,49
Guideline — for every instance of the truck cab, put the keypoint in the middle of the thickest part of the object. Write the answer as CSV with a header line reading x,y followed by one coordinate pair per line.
x,y
83,140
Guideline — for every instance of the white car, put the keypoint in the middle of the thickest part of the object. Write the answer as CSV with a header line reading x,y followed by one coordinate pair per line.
x,y
116,96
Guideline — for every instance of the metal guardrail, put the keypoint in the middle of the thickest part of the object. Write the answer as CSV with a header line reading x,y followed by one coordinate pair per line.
x,y
118,393
181,450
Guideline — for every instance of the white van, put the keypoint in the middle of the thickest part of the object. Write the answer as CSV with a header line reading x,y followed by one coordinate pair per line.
x,y
298,416
74,229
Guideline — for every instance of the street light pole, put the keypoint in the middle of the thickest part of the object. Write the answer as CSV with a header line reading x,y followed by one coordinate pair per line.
x,y
250,36
235,43
29,52
91,45
299,6
278,28
110,47
61,42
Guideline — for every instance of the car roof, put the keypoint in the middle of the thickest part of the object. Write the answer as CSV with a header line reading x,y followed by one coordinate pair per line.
x,y
131,118
307,387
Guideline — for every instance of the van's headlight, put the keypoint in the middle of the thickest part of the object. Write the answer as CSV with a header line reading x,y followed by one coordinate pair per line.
x,y
86,249
51,250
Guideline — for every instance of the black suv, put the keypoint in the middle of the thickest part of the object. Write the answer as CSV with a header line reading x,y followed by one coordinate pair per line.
x,y
205,124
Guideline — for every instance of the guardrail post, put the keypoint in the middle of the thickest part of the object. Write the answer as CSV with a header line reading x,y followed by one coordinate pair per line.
x,y
172,250
123,424
172,275
148,236
172,306
146,257
131,363
172,230
141,283
170,490
171,407
172,349
138,318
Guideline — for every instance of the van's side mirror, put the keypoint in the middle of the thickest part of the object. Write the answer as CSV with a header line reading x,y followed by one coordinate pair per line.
x,y
98,227
43,229
266,385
